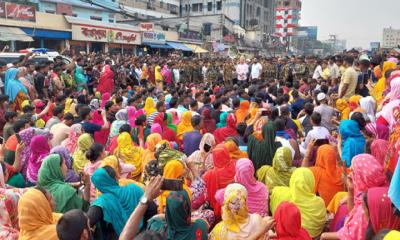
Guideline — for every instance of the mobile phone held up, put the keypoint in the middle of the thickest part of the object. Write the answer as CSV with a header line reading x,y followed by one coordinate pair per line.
x,y
172,184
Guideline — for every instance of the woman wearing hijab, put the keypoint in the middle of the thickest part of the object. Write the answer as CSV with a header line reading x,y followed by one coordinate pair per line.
x,y
229,131
40,148
9,198
151,142
129,153
257,199
288,223
115,204
71,142
380,86
173,170
36,218
121,118
261,152
368,104
219,177
106,80
366,173
122,170
237,222
243,111
14,89
52,178
178,224
352,141
71,176
79,156
185,125
233,147
149,106
343,106
280,172
21,76
209,125
170,123
327,174
202,160
301,193
379,149
222,120
166,133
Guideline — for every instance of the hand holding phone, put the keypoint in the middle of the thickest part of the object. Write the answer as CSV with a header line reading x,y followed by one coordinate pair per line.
x,y
172,184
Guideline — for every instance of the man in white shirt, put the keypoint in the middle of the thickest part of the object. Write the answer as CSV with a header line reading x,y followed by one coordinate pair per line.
x,y
318,71
334,69
242,69
318,131
60,130
256,70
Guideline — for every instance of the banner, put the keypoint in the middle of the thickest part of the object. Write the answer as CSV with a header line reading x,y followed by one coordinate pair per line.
x,y
153,37
100,34
146,26
19,12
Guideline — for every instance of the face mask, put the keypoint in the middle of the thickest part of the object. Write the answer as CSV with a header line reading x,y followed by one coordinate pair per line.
x,y
207,147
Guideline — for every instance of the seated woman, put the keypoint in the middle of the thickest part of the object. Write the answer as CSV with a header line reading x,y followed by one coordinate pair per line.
x,y
352,141
151,142
52,178
122,170
176,223
235,153
301,193
71,176
237,222
79,156
279,173
36,218
40,148
288,223
115,204
127,152
94,154
228,131
201,160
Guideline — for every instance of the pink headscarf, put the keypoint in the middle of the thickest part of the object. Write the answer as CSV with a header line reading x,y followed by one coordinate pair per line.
x,y
131,115
156,128
395,89
380,210
104,99
71,142
102,135
257,200
379,149
40,148
387,112
367,173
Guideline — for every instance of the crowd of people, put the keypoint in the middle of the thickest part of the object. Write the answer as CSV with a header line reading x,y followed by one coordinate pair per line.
x,y
149,147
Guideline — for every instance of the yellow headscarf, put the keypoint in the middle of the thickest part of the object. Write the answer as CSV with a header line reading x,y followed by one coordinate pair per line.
x,y
234,212
234,151
79,156
174,169
253,112
151,143
343,106
112,161
68,104
380,86
185,125
149,106
392,235
129,153
36,219
301,193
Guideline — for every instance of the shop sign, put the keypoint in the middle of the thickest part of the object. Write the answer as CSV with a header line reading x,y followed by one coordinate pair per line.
x,y
190,36
97,34
17,11
153,37
146,26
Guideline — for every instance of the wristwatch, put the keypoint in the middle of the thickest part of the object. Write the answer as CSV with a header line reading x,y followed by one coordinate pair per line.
x,y
143,200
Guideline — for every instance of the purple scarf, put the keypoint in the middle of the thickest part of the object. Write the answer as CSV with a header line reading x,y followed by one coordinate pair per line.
x,y
65,155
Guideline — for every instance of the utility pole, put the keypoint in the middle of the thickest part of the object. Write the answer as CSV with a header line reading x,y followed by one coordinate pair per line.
x,y
187,15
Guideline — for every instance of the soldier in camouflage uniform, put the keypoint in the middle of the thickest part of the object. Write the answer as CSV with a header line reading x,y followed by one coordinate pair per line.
x,y
311,65
269,69
212,72
228,71
300,69
197,76
185,72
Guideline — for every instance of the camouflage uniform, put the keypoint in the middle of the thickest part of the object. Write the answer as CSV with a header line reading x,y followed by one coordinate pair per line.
x,y
269,70
301,71
311,67
228,73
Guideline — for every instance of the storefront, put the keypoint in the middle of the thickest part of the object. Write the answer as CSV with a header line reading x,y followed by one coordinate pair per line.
x,y
103,37
155,43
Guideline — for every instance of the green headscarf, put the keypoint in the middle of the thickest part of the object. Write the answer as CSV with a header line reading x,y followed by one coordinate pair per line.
x,y
262,152
177,224
280,172
117,202
170,125
51,178
222,120
80,78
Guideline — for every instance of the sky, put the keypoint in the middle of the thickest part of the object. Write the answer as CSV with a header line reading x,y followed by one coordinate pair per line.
x,y
358,21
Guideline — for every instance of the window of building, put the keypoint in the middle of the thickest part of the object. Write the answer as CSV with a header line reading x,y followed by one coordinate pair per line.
x,y
209,6
50,11
96,18
286,3
161,4
258,11
111,20
219,5
197,7
75,15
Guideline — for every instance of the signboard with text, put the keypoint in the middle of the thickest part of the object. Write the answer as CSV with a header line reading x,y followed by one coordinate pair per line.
x,y
17,11
190,36
146,26
100,34
154,37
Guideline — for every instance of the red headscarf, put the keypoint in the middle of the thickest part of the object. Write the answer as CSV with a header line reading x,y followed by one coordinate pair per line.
x,y
288,223
229,131
167,133
208,121
220,176
379,149
106,80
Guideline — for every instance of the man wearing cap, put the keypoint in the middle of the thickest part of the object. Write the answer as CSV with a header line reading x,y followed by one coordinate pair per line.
x,y
327,112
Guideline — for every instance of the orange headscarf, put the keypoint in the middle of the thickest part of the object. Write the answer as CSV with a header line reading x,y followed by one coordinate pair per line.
x,y
234,151
327,174
354,102
243,111
174,169
151,143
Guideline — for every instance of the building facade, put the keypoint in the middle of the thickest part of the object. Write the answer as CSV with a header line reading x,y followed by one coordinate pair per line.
x,y
391,38
149,9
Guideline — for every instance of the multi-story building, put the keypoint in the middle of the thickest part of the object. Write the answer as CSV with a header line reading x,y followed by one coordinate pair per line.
x,y
391,37
149,9
287,17
259,15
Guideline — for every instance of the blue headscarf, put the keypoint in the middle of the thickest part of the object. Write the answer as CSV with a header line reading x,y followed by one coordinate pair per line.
x,y
80,78
12,86
353,142
117,202
394,190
